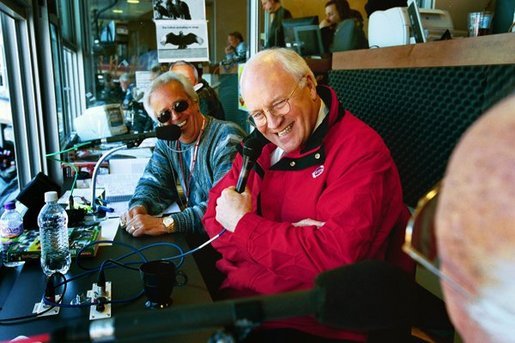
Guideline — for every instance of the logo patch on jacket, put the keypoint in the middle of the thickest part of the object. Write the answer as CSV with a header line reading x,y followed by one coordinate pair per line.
x,y
318,172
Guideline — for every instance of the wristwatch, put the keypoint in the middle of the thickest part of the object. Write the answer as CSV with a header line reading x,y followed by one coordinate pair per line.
x,y
169,224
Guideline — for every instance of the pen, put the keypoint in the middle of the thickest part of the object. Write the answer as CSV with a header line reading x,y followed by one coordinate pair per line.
x,y
105,209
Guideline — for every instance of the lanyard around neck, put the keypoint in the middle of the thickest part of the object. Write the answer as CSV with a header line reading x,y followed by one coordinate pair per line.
x,y
193,160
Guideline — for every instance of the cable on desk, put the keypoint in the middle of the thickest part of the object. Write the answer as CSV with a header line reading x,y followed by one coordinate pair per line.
x,y
104,265
189,252
49,288
180,255
130,247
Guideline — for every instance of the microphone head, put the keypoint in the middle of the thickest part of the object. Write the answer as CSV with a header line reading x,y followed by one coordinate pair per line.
x,y
168,132
252,148
368,295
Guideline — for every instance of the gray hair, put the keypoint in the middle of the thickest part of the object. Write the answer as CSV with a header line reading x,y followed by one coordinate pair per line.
x,y
165,79
125,77
184,63
291,62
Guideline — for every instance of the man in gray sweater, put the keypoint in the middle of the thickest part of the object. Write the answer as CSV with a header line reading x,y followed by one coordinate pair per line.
x,y
197,160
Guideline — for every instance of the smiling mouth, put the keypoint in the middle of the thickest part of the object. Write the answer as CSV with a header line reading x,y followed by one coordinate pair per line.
x,y
181,124
285,131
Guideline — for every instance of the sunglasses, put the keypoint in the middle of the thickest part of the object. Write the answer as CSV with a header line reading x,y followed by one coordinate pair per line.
x,y
178,107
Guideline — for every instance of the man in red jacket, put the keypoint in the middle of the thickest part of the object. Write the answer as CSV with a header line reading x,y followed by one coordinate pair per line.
x,y
324,193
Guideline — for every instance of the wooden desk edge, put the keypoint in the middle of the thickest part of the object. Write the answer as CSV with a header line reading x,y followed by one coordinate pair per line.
x,y
485,50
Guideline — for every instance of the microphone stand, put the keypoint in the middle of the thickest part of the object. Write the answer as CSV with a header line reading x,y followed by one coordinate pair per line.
x,y
105,155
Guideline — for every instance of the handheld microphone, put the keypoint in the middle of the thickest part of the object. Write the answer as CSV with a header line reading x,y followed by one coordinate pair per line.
x,y
251,151
168,133
368,295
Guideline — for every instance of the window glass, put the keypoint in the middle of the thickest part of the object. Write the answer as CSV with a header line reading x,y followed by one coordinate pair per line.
x,y
54,42
117,40
8,171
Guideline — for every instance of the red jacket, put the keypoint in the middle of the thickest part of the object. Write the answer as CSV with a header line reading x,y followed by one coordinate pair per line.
x,y
345,177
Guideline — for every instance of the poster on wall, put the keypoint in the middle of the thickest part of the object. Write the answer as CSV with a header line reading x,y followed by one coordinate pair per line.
x,y
182,40
179,9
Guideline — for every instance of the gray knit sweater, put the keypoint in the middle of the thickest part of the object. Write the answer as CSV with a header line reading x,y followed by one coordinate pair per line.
x,y
156,189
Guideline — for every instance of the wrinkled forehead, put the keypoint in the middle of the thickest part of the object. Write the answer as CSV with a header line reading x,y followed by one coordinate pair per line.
x,y
261,89
264,77
168,92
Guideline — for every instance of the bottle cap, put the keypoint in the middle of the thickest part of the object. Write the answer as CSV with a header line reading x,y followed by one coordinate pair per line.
x,y
51,196
11,205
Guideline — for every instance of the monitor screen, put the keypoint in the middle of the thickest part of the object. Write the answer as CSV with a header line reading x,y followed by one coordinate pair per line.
x,y
289,26
308,40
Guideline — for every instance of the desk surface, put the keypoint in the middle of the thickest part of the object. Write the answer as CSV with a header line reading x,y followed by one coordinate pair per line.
x,y
29,286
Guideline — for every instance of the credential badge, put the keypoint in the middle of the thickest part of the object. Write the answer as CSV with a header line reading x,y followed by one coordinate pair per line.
x,y
318,172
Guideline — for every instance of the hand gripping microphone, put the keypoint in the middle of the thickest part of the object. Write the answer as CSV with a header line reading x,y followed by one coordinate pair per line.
x,y
251,151
368,295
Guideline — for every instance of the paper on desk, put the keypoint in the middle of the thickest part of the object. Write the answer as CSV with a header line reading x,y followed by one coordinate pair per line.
x,y
109,228
118,207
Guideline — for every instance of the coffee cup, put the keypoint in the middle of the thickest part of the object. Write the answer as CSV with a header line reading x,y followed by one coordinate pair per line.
x,y
159,278
480,23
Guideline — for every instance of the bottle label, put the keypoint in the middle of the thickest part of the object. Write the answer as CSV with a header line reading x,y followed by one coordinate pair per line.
x,y
11,232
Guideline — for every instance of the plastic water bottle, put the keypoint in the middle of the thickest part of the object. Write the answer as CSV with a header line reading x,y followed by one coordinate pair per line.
x,y
11,226
53,234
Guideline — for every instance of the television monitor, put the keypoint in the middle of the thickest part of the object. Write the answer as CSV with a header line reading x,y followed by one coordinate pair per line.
x,y
289,26
308,40
100,122
416,22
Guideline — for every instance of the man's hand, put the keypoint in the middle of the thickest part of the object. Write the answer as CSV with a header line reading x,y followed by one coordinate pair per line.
x,y
138,223
229,49
127,216
231,206
145,224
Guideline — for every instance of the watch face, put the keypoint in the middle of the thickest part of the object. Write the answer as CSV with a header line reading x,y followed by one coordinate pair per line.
x,y
168,221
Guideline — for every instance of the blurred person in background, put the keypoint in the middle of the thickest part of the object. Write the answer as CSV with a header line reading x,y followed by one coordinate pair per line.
x,y
278,13
342,28
209,102
235,51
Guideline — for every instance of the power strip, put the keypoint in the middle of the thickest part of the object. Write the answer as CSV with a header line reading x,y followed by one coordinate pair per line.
x,y
41,307
94,294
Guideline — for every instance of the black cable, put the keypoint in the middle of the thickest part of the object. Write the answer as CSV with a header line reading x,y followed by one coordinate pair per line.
x,y
50,288
50,291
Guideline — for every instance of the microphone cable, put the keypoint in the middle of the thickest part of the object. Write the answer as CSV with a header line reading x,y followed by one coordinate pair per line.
x,y
49,291
103,266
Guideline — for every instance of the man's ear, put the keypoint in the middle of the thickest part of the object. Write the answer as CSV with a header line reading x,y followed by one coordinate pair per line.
x,y
311,84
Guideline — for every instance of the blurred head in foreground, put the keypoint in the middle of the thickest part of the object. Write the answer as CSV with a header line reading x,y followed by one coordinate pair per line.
x,y
475,223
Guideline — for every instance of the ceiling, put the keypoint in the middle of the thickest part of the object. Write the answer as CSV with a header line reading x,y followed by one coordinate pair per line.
x,y
129,11
121,9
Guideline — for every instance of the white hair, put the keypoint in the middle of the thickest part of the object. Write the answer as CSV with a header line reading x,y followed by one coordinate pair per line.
x,y
164,79
494,308
291,62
